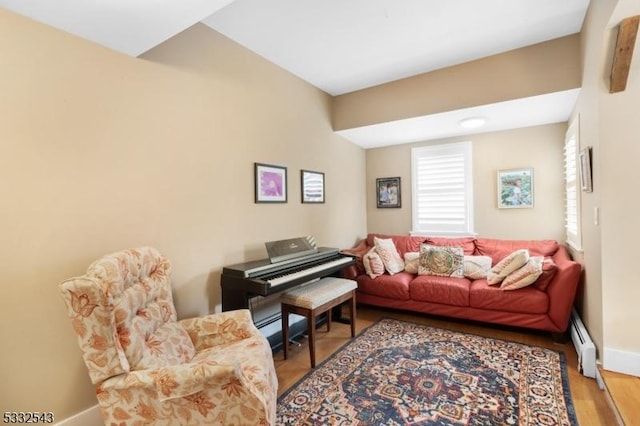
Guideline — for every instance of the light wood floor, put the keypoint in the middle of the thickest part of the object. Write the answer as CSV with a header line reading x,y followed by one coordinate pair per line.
x,y
590,403
625,395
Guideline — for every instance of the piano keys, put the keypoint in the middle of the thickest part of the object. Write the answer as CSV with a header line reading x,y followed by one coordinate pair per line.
x,y
256,285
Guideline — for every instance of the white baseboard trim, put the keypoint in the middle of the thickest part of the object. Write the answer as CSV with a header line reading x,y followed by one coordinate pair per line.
x,y
89,417
599,378
621,361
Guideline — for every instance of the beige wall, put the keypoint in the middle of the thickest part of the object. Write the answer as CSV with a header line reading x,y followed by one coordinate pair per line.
x,y
609,124
542,68
587,114
619,136
100,151
539,147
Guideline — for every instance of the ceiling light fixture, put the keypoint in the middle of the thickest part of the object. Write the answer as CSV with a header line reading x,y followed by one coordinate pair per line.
x,y
473,122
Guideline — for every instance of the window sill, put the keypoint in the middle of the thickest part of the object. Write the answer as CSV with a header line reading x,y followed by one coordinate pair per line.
x,y
442,234
574,247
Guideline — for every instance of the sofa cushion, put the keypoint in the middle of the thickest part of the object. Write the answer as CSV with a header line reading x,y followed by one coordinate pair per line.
x,y
443,261
372,262
523,276
549,269
467,243
389,286
528,300
392,260
411,262
436,289
504,267
477,267
499,249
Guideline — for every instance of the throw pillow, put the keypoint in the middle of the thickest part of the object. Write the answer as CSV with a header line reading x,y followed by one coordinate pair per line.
x,y
549,269
393,263
524,276
512,262
372,262
441,261
411,262
477,267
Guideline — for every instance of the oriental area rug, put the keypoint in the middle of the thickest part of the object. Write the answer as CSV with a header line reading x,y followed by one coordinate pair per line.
x,y
401,373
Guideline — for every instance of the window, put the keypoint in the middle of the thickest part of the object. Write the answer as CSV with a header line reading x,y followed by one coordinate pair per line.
x,y
442,189
572,187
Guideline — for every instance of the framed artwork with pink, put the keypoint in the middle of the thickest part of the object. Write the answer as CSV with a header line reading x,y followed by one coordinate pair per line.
x,y
270,183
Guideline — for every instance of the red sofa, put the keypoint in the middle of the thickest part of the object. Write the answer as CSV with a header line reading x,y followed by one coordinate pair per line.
x,y
544,305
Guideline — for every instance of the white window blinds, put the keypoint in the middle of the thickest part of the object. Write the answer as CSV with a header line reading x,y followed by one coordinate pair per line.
x,y
572,187
442,189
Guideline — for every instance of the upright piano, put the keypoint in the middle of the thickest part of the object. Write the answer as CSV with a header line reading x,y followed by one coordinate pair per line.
x,y
257,285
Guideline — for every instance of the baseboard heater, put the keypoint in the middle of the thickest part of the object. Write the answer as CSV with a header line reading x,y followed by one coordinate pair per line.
x,y
584,346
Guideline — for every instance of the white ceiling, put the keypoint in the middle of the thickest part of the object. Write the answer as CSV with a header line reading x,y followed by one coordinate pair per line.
x,y
343,45
128,26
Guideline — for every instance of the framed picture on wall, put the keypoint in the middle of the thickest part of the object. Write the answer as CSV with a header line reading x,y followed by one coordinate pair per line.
x,y
585,169
270,183
388,192
515,188
312,184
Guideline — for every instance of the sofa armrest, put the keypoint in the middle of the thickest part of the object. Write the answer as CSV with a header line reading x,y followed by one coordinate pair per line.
x,y
219,329
357,253
563,288
350,272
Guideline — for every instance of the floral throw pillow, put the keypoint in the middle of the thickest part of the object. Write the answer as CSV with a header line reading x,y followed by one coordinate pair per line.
x,y
441,261
512,262
393,263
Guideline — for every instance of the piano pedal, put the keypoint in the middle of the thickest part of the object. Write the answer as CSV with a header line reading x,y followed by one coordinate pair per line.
x,y
293,342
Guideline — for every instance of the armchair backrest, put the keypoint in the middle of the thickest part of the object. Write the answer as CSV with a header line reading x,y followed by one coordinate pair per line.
x,y
123,314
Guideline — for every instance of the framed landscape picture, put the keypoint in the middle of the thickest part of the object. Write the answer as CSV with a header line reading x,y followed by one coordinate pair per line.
x,y
388,192
515,188
312,184
270,183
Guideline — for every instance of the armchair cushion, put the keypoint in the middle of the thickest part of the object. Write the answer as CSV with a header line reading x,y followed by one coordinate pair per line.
x,y
167,345
231,385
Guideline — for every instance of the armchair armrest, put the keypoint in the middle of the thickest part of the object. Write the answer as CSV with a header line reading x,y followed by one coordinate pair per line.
x,y
176,381
219,329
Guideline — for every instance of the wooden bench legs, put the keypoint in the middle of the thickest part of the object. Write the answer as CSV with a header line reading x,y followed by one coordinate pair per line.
x,y
311,316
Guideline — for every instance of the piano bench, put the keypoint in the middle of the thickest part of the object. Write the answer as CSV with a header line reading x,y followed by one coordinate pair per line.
x,y
312,300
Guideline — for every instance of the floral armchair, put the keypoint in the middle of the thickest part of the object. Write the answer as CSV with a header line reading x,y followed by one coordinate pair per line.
x,y
150,368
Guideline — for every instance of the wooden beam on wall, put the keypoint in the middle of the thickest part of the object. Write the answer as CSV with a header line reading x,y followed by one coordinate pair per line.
x,y
623,53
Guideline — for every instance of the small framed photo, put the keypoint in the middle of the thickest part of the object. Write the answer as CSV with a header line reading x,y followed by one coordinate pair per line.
x,y
312,184
388,192
585,170
515,188
270,183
